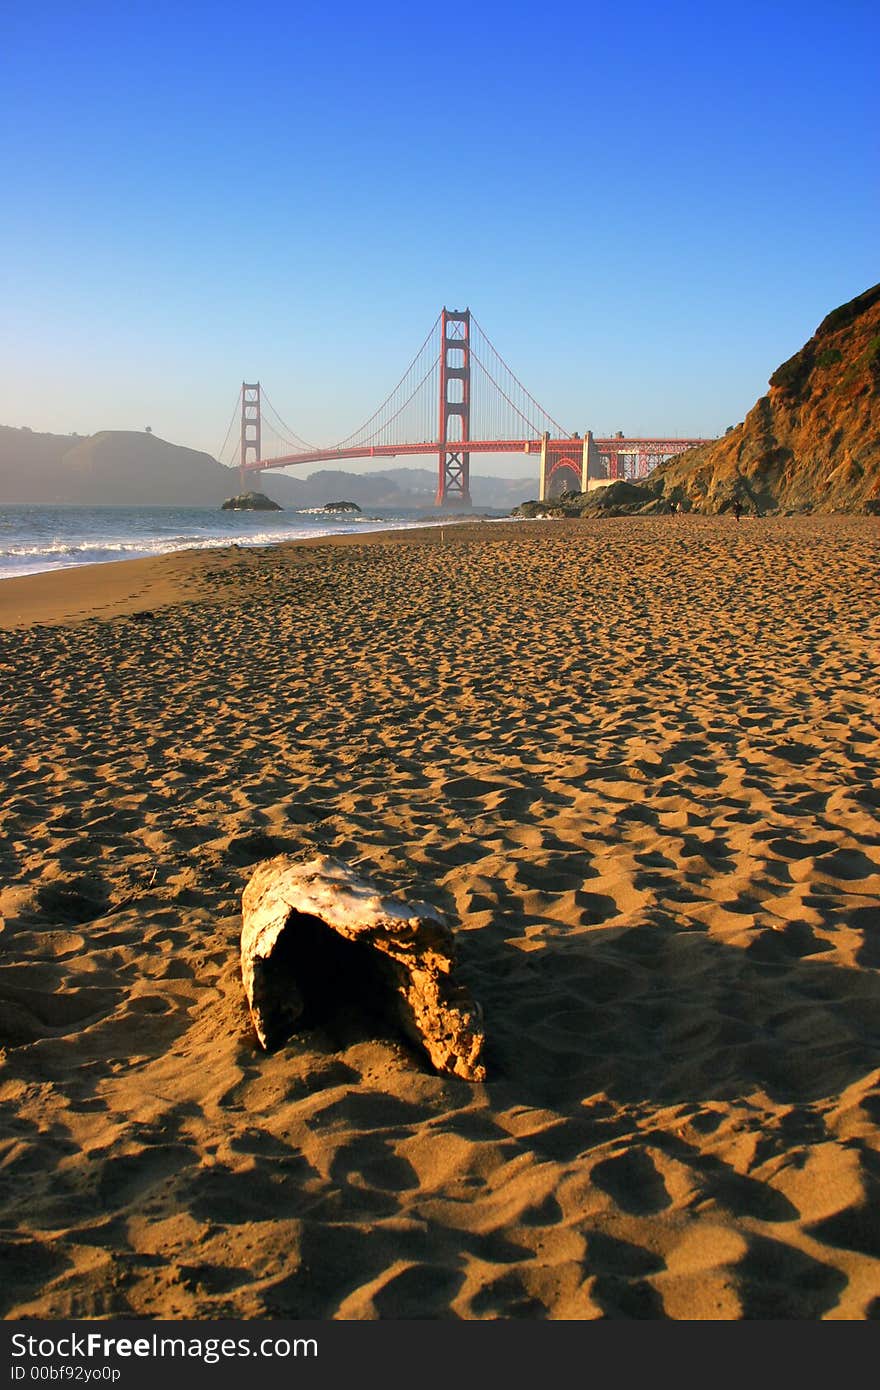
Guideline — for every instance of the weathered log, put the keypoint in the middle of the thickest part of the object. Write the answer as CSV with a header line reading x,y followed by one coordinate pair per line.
x,y
315,934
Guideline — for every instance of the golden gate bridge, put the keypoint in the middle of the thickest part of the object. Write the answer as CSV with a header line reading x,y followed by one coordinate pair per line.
x,y
456,398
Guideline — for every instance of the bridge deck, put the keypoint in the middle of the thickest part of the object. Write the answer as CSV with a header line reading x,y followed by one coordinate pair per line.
x,y
612,445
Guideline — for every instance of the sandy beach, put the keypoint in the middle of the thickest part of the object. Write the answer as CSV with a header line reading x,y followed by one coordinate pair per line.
x,y
635,761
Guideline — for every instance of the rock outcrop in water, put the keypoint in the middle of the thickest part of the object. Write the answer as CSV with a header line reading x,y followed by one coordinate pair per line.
x,y
251,502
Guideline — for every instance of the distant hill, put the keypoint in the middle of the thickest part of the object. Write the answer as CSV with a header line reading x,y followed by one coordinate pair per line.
x,y
128,468
812,443
113,468
486,491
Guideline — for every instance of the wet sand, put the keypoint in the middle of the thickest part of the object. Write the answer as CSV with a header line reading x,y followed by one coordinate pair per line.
x,y
636,763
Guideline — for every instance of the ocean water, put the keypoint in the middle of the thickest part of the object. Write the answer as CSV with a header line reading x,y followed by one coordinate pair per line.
x,y
33,539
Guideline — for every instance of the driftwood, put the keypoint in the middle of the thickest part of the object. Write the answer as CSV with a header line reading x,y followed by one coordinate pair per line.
x,y
315,935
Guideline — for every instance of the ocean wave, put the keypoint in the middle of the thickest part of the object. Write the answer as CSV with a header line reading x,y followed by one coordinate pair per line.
x,y
35,554
143,545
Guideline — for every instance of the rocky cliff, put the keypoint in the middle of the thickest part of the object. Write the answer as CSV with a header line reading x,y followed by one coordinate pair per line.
x,y
813,442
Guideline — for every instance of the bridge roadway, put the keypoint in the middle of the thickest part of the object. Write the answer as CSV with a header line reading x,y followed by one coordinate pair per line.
x,y
612,445
428,446
585,456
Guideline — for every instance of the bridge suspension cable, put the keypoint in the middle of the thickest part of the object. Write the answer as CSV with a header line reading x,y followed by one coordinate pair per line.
x,y
499,424
382,430
514,393
280,427
420,420
236,412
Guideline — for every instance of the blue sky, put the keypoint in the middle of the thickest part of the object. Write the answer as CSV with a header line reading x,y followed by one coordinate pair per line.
x,y
647,207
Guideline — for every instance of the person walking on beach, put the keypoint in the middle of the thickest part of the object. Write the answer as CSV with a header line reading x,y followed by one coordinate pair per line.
x,y
737,508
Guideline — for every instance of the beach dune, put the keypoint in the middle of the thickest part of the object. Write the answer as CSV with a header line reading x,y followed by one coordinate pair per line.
x,y
633,761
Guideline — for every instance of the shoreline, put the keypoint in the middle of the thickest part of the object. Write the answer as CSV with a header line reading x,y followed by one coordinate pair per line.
x,y
118,548
124,588
118,588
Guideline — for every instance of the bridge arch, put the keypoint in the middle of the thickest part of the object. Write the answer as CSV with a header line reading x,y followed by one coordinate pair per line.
x,y
565,464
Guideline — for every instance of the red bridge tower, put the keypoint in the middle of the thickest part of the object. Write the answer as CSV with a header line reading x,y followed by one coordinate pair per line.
x,y
453,485
250,431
